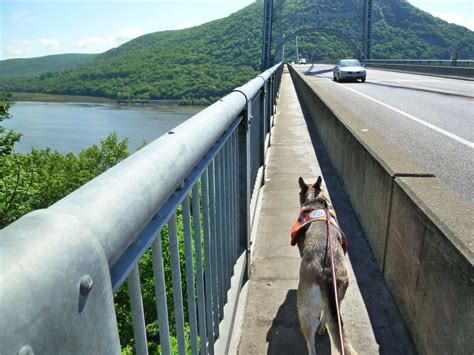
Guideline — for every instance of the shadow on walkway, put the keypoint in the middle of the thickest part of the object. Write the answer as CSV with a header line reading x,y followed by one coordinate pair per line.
x,y
283,340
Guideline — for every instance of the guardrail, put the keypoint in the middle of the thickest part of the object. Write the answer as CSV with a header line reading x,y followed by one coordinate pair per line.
x,y
61,266
425,252
426,62
459,68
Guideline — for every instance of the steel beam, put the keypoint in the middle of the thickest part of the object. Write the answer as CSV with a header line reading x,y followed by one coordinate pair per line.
x,y
367,30
267,34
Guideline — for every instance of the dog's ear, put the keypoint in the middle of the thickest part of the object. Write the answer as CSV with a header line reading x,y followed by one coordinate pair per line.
x,y
303,185
317,184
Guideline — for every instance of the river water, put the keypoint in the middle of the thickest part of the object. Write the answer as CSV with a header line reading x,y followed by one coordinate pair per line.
x,y
72,127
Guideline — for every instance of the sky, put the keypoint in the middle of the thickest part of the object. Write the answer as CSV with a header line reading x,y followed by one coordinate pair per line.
x,y
32,28
460,12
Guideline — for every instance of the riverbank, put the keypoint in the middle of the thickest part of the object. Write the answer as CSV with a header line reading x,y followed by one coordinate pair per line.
x,y
40,97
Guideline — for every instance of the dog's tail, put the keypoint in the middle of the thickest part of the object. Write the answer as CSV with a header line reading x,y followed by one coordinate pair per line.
x,y
331,317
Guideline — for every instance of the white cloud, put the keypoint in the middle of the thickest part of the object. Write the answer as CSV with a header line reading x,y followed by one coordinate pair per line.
x,y
107,42
19,48
126,35
457,19
50,43
21,14
23,48
93,41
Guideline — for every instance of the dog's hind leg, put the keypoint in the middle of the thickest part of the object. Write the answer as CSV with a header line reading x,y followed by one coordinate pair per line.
x,y
331,318
309,310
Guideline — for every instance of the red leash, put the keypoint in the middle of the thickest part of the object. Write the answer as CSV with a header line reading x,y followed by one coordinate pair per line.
x,y
331,255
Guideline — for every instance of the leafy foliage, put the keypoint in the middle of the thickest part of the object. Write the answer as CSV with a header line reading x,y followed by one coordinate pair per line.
x,y
42,177
7,138
404,31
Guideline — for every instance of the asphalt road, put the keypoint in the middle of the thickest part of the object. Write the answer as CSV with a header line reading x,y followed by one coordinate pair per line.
x,y
430,118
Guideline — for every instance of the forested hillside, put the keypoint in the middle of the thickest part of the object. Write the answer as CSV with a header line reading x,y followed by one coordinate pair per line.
x,y
404,31
30,67
200,64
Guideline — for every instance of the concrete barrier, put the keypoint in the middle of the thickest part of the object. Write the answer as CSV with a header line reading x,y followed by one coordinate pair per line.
x,y
420,230
426,69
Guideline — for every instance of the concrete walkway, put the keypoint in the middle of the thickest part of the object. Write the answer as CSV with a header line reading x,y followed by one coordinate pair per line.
x,y
269,321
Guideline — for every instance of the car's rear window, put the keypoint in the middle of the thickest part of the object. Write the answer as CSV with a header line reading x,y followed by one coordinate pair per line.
x,y
350,63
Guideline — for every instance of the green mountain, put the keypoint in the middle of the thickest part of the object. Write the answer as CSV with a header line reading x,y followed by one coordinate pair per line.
x,y
200,64
30,67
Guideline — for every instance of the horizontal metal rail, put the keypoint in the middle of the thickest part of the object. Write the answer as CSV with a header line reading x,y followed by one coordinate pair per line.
x,y
427,62
184,200
453,68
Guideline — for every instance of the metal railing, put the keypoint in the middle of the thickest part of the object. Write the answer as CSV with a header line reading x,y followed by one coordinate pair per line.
x,y
60,267
424,62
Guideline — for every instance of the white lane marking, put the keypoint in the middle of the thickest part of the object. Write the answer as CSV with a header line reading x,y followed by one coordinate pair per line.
x,y
411,117
407,81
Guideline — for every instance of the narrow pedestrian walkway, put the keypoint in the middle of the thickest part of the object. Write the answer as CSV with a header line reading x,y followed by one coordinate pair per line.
x,y
269,321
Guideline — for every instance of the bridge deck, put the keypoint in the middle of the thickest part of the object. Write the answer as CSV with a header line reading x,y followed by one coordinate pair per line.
x,y
268,315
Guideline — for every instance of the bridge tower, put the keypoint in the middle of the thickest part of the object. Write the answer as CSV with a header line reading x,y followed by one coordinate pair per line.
x,y
364,52
367,30
267,34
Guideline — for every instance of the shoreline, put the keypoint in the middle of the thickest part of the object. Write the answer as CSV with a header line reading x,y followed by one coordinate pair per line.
x,y
41,97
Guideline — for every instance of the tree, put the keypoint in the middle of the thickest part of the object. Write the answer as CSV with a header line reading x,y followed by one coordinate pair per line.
x,y
8,139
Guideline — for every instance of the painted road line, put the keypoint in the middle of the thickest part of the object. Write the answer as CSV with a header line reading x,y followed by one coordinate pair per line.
x,y
416,119
407,81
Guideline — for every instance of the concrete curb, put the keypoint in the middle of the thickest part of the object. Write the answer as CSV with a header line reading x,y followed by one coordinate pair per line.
x,y
420,230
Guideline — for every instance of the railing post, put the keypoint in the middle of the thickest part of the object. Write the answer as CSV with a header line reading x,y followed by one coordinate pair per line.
x,y
208,271
177,284
244,184
272,97
160,292
138,314
265,117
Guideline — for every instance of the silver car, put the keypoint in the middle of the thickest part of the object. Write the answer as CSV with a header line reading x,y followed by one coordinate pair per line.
x,y
349,69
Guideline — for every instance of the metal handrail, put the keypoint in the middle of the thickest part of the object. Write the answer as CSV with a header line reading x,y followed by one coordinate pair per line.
x,y
60,266
428,62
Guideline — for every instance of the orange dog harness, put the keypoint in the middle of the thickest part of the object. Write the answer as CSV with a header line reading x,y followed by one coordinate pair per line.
x,y
307,217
